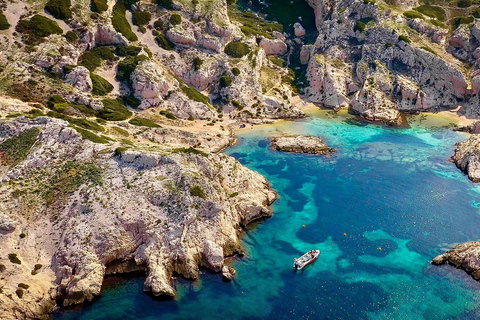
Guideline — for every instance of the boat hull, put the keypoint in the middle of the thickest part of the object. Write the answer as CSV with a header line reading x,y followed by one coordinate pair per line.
x,y
306,259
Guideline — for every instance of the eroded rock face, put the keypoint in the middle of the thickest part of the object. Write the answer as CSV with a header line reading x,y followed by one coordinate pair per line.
x,y
149,84
273,47
80,79
467,157
372,104
465,256
164,213
301,144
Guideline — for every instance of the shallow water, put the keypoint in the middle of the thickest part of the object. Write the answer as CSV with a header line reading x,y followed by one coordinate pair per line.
x,y
388,189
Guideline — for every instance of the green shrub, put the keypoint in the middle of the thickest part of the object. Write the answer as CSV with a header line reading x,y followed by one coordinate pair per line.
x,y
127,66
175,19
236,71
142,122
80,122
16,149
100,85
168,114
54,99
131,101
37,267
124,51
360,26
277,61
428,49
60,9
38,26
114,110
2,268
197,191
464,3
388,45
197,63
404,39
225,81
476,13
71,36
94,58
22,235
413,15
189,150
87,135
163,42
432,11
14,258
23,286
237,105
121,131
4,25
99,6
158,24
141,18
232,195
195,95
120,23
236,49
438,24
462,20
19,293
167,4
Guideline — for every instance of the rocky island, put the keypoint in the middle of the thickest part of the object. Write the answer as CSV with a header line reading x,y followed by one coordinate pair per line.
x,y
301,144
114,115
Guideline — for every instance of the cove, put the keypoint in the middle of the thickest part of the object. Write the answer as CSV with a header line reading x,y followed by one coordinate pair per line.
x,y
385,188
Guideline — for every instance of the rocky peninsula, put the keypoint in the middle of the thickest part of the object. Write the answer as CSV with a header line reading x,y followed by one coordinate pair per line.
x,y
301,144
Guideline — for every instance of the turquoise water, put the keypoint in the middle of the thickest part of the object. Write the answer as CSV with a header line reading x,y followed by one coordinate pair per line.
x,y
385,188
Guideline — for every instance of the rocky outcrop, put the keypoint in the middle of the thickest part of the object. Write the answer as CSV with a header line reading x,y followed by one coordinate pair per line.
x,y
273,47
467,157
298,30
372,104
80,79
149,84
301,144
465,256
228,273
167,212
106,35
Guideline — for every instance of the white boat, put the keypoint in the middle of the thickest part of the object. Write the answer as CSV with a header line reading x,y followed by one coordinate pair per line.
x,y
306,259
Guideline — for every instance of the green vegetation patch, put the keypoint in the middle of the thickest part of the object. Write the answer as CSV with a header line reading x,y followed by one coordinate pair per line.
x,y
428,49
14,258
432,11
23,285
68,178
80,122
94,58
60,9
236,71
163,42
225,81
4,25
189,150
462,20
404,39
120,22
99,6
197,63
195,95
277,61
141,18
413,15
38,26
168,114
253,24
464,3
237,49
175,19
71,36
121,131
142,122
197,191
124,51
127,66
16,149
100,85
476,13
114,110
88,135
167,4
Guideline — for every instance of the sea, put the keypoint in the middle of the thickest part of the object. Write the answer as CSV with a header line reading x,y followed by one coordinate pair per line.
x,y
379,209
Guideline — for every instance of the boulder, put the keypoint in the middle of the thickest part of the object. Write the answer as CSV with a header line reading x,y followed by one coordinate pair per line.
x,y
299,30
80,79
273,47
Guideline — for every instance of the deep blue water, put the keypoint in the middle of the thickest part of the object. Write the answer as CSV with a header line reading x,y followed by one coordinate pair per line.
x,y
388,189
